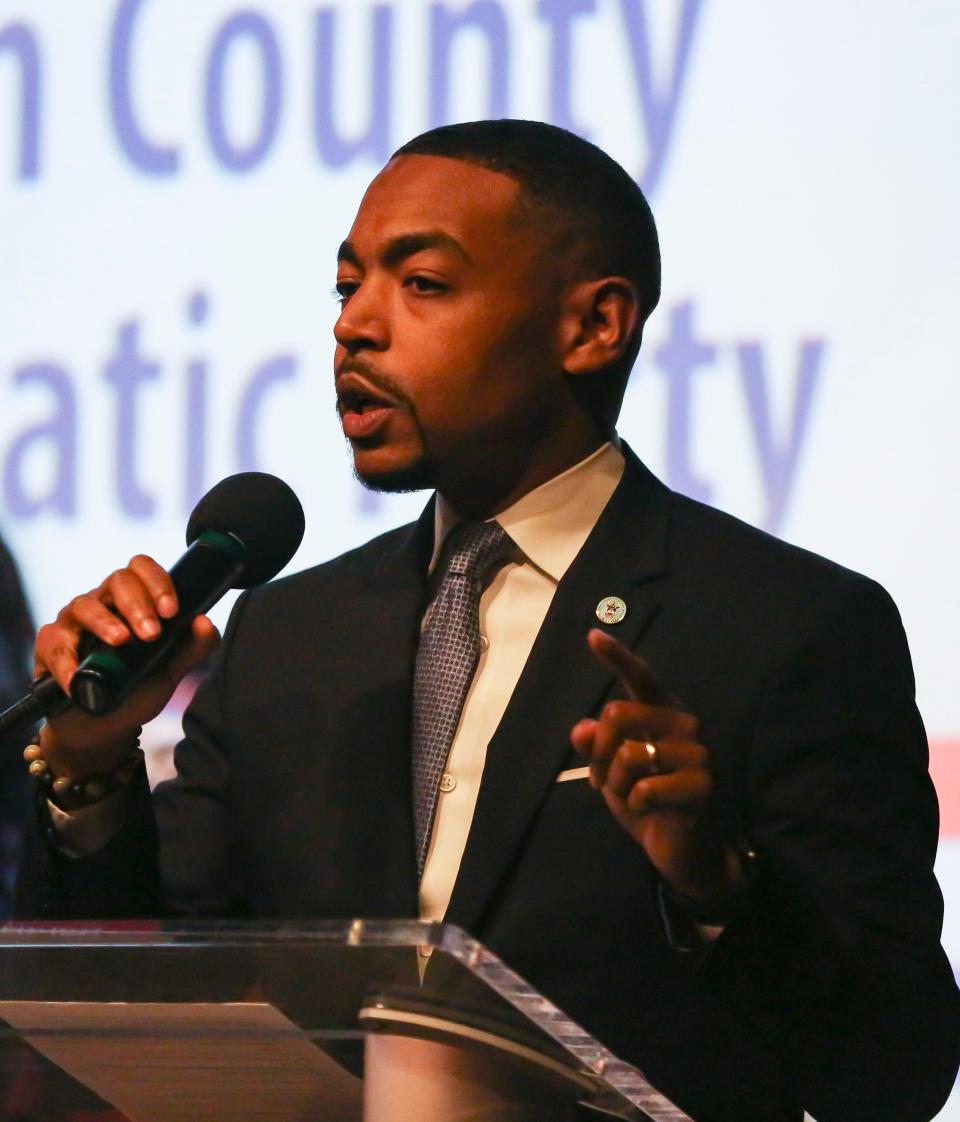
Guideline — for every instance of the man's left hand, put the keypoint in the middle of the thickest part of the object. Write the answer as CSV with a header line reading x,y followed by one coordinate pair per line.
x,y
647,761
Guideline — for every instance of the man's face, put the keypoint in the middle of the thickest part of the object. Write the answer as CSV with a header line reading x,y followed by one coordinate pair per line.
x,y
447,363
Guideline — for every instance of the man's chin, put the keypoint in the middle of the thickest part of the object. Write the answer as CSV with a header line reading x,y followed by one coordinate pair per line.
x,y
416,476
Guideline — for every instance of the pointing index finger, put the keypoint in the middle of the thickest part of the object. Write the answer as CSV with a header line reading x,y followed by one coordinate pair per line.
x,y
639,680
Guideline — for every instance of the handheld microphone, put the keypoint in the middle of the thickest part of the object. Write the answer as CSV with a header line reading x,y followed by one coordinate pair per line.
x,y
240,534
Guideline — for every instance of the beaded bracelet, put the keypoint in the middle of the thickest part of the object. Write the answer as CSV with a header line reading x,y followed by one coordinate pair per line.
x,y
75,794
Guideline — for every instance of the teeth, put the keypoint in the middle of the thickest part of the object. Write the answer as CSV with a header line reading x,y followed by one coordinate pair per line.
x,y
358,403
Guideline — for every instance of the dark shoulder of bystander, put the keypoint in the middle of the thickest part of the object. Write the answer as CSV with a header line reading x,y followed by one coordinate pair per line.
x,y
16,641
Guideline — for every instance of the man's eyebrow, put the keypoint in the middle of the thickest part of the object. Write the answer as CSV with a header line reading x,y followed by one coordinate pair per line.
x,y
347,253
406,245
398,249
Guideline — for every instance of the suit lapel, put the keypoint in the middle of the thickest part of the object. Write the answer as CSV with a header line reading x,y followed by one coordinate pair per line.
x,y
561,681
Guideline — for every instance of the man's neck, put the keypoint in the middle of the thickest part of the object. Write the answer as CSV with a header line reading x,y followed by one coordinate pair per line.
x,y
485,497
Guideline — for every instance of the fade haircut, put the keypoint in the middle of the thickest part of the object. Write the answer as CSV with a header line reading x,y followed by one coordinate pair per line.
x,y
573,186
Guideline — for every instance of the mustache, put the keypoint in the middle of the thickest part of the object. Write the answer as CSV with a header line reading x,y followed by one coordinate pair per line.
x,y
356,364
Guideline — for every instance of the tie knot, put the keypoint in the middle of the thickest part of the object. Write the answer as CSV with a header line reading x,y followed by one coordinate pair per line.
x,y
472,549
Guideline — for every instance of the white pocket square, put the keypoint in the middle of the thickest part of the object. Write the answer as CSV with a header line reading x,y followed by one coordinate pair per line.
x,y
573,773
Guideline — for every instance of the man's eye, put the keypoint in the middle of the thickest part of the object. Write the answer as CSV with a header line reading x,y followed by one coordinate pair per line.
x,y
424,284
343,290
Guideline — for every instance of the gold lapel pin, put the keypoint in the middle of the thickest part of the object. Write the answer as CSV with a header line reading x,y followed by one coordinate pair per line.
x,y
611,610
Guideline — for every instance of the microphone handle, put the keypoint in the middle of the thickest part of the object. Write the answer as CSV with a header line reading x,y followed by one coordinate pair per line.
x,y
45,699
201,576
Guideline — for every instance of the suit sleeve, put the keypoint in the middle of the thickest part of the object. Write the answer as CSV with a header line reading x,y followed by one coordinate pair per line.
x,y
200,867
174,854
837,951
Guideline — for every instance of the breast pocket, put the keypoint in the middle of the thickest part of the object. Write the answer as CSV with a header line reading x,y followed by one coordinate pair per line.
x,y
573,794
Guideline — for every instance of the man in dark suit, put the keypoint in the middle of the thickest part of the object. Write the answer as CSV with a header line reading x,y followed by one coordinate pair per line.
x,y
703,827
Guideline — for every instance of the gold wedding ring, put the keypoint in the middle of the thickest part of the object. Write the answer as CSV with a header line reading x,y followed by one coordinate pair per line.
x,y
653,758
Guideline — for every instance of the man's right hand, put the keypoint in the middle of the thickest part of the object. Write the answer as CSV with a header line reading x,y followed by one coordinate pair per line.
x,y
133,600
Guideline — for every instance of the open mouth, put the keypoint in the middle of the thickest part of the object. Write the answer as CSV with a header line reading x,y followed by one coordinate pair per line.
x,y
357,401
362,408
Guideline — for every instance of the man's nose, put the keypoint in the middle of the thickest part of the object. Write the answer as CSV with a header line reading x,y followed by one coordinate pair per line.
x,y
362,323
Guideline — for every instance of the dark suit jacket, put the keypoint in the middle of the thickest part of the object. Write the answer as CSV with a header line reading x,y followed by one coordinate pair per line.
x,y
828,989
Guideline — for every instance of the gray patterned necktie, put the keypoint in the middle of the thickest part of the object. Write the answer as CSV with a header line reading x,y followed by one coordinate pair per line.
x,y
447,658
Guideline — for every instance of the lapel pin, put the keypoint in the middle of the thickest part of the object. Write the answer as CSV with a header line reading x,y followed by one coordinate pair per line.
x,y
611,610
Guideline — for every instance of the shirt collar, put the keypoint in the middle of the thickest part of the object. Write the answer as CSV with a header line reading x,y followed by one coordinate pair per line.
x,y
551,523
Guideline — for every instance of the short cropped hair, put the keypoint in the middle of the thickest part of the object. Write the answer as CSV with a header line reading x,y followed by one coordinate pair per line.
x,y
592,198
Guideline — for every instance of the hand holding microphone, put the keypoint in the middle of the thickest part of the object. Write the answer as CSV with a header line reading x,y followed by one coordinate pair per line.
x,y
115,655
135,601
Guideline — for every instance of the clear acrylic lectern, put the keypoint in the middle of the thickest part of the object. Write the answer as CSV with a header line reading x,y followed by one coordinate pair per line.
x,y
361,1021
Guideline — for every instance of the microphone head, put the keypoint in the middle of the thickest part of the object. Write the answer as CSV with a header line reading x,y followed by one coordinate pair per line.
x,y
261,512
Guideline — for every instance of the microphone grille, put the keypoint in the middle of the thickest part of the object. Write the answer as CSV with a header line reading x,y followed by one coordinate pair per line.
x,y
262,512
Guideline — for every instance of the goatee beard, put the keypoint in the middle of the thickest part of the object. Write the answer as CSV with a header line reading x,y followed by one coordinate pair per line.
x,y
419,476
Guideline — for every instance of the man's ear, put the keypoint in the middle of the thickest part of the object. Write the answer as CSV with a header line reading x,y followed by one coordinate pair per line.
x,y
600,320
